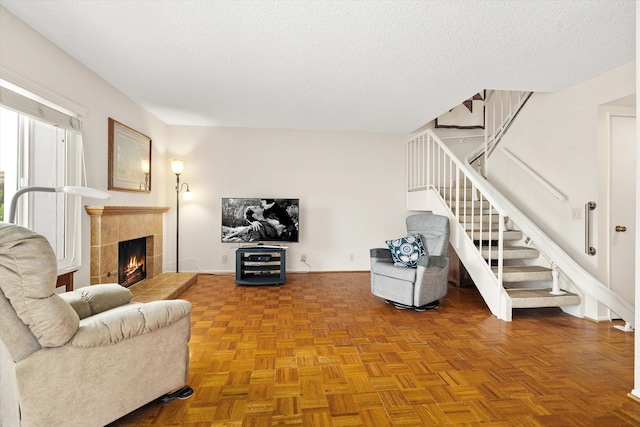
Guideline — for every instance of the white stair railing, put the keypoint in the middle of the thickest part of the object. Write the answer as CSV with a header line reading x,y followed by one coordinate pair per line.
x,y
501,109
432,167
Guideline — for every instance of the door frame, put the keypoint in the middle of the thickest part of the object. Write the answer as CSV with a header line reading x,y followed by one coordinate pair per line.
x,y
604,205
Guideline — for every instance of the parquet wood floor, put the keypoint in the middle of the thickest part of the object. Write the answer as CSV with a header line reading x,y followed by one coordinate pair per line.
x,y
320,350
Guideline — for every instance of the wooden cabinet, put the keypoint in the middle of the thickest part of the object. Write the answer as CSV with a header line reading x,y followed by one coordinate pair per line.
x,y
261,265
458,275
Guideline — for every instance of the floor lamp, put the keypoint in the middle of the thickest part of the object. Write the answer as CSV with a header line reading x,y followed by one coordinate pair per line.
x,y
177,167
69,189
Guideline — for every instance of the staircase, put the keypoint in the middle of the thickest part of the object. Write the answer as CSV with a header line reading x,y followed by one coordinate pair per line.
x,y
512,262
527,286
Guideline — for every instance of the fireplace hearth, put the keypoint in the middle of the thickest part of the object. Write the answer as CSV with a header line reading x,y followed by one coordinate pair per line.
x,y
132,255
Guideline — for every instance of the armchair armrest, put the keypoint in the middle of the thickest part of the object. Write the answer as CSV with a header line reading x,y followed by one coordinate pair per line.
x,y
427,261
431,279
383,254
128,321
95,299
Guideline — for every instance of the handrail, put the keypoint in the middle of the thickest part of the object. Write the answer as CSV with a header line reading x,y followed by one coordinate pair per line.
x,y
432,160
533,174
588,249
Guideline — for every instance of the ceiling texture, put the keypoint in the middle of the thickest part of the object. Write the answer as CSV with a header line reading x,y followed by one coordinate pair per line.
x,y
356,66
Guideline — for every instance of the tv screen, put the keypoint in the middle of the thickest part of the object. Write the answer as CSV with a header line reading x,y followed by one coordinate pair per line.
x,y
246,220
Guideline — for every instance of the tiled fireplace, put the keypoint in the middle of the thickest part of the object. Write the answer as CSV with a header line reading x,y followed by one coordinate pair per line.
x,y
113,224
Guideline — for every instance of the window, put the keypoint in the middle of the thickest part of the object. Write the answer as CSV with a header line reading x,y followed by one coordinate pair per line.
x,y
41,146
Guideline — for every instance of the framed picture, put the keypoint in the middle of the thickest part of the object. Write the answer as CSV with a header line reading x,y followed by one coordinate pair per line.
x,y
129,159
468,115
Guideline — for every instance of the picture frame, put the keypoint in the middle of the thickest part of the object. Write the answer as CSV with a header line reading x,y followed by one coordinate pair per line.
x,y
129,159
468,115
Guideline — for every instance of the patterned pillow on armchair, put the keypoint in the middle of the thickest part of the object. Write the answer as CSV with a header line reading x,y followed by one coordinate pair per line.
x,y
406,250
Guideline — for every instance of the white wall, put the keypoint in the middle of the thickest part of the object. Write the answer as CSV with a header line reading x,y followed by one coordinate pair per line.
x,y
27,54
349,186
562,148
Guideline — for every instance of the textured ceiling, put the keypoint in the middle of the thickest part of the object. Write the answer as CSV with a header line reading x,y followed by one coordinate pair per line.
x,y
372,66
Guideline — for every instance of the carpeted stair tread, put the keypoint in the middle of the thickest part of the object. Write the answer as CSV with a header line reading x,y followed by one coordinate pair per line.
x,y
535,298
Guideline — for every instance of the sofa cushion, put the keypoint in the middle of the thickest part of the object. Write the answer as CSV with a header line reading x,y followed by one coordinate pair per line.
x,y
28,272
406,250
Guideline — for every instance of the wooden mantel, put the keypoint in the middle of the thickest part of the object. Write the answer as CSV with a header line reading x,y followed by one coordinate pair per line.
x,y
125,210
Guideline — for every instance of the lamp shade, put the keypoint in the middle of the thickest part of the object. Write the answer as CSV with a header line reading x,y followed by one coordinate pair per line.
x,y
177,165
84,192
144,164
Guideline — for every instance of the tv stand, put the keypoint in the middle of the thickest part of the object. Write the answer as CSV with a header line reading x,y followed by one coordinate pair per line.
x,y
261,265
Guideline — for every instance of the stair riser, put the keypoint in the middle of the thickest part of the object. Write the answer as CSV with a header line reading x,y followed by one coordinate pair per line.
x,y
526,277
508,253
530,298
467,194
485,227
478,219
487,235
524,273
550,302
475,206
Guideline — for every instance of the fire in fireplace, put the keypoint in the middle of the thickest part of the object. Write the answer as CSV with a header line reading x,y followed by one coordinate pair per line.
x,y
132,256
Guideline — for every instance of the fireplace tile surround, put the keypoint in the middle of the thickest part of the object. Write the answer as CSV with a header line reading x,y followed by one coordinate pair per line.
x,y
113,224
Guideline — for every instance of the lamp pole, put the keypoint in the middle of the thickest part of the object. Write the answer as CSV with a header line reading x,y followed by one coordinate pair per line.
x,y
177,166
177,222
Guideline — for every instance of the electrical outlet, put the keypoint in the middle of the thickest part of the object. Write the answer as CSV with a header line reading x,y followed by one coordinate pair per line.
x,y
576,213
351,257
224,258
303,258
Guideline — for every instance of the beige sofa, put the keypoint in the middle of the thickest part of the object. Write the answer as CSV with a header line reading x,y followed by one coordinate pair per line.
x,y
84,358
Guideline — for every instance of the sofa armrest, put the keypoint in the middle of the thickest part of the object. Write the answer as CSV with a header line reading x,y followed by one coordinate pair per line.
x,y
91,300
128,321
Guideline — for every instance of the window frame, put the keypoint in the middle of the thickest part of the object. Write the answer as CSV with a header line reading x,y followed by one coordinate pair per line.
x,y
29,101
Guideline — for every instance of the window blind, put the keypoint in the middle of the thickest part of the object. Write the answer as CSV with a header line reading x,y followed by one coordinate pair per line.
x,y
38,110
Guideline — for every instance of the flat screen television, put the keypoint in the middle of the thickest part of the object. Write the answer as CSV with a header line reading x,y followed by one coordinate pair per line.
x,y
254,220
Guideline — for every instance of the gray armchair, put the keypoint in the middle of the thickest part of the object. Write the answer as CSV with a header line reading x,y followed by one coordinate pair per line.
x,y
420,287
83,358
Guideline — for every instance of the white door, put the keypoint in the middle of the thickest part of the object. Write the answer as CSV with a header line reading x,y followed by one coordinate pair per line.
x,y
623,216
